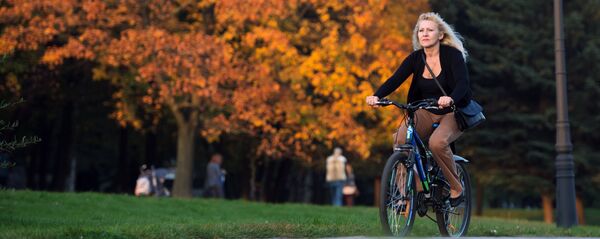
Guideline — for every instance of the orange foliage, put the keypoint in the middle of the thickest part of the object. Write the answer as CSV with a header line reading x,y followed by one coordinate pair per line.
x,y
325,58
293,74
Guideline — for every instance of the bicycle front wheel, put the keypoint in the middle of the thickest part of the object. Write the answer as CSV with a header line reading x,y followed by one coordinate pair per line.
x,y
398,195
455,221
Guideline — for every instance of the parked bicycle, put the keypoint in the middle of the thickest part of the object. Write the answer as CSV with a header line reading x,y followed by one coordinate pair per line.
x,y
400,202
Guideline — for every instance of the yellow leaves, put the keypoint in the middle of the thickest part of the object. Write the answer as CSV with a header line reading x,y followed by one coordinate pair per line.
x,y
53,56
50,31
125,112
365,90
363,20
295,80
379,5
301,135
7,46
272,23
257,122
330,42
304,30
229,35
324,17
94,9
357,44
240,11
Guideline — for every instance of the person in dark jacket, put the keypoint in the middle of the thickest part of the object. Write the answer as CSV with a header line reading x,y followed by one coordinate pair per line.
x,y
436,43
215,177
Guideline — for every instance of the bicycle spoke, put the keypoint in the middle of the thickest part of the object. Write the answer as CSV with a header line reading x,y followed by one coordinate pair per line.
x,y
455,216
398,201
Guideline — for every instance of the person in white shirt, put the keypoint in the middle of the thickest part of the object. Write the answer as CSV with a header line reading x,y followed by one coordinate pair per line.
x,y
336,175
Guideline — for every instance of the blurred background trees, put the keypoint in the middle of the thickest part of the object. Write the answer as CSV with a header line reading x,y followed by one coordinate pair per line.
x,y
512,70
275,85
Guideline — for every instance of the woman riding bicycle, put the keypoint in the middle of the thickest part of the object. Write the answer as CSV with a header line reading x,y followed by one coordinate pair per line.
x,y
436,43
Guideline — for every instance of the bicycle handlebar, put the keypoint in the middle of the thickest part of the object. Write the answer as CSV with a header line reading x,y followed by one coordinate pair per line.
x,y
413,106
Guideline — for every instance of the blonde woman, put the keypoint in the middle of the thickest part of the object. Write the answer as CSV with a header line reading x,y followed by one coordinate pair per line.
x,y
436,43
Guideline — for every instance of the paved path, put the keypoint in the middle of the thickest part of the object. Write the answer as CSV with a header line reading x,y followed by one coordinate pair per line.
x,y
527,237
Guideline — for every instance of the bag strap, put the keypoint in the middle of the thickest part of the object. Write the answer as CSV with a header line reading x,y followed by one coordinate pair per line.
x,y
436,81
433,75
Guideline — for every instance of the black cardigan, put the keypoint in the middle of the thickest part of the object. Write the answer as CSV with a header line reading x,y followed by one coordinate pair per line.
x,y
451,60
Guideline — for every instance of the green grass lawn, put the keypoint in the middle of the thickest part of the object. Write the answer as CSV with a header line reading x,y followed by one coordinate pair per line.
x,y
27,214
592,215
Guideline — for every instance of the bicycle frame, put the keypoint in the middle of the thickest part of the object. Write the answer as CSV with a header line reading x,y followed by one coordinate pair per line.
x,y
415,145
414,155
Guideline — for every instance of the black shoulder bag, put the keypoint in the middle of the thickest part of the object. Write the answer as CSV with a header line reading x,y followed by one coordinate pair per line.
x,y
466,117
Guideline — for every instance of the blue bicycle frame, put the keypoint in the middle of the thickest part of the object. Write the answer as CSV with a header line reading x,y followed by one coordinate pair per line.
x,y
416,147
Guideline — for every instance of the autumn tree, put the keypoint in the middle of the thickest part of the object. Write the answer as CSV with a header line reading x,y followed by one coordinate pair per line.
x,y
179,69
324,58
293,75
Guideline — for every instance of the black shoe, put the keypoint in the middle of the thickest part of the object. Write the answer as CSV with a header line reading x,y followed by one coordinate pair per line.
x,y
454,202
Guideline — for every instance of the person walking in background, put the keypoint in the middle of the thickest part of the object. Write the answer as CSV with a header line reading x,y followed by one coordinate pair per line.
x,y
350,190
215,177
336,175
144,185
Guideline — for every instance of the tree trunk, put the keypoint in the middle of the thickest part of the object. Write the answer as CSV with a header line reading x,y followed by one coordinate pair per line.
x,y
265,184
377,187
253,178
547,208
245,175
33,168
72,179
123,170
150,150
61,166
308,185
284,181
42,173
580,211
43,156
185,161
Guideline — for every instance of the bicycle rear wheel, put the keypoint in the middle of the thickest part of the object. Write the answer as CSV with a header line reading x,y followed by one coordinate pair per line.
x,y
398,195
455,221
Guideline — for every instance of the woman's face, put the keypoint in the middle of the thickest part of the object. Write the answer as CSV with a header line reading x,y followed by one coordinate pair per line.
x,y
429,33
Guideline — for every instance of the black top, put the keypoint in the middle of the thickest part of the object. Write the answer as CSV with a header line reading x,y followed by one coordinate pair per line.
x,y
430,90
452,63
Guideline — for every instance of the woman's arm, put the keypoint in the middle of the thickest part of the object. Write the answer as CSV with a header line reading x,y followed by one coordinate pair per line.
x,y
399,76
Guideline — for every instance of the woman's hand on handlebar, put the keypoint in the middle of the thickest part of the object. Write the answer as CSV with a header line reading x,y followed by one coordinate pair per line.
x,y
445,101
372,101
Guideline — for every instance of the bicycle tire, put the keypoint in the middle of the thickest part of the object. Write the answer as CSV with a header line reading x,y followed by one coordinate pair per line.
x,y
444,221
390,212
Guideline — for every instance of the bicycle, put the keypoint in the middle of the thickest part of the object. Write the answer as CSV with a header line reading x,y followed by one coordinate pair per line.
x,y
399,199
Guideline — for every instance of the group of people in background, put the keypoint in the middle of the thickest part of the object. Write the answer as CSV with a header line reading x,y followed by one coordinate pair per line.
x,y
153,182
340,179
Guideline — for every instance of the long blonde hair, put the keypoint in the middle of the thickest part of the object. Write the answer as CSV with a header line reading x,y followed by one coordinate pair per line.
x,y
451,37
